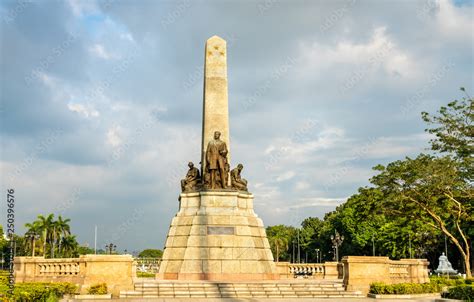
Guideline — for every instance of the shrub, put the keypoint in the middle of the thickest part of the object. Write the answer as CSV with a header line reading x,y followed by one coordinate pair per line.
x,y
145,275
98,289
37,291
447,281
377,288
460,292
403,288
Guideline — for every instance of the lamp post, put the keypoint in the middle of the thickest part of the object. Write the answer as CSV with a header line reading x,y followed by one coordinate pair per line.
x,y
373,246
33,236
409,245
110,248
336,243
294,251
318,257
299,251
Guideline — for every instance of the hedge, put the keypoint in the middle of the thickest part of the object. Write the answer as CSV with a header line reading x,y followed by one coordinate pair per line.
x,y
444,281
403,288
35,291
39,291
461,292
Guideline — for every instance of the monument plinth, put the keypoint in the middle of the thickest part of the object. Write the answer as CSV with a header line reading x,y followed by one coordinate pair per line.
x,y
216,234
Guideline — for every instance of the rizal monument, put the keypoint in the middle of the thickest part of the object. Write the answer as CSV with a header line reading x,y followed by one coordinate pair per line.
x,y
217,246
216,234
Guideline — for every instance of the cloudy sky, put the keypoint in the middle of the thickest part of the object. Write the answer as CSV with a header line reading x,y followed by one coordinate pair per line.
x,y
101,102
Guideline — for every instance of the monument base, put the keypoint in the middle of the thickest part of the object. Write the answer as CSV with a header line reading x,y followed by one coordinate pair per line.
x,y
216,235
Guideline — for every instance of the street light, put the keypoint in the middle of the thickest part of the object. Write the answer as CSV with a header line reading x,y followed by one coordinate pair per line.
x,y
318,256
33,236
110,248
336,243
373,246
294,242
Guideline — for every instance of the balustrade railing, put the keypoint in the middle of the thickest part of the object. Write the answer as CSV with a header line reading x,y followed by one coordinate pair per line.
x,y
301,270
398,270
147,265
56,267
305,270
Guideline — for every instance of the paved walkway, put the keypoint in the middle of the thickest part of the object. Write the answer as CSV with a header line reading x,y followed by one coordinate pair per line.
x,y
426,299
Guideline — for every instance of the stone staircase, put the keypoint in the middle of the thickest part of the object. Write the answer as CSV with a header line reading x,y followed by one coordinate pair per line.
x,y
150,288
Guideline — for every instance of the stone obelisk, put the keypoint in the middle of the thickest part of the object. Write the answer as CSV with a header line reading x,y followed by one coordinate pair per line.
x,y
215,105
216,234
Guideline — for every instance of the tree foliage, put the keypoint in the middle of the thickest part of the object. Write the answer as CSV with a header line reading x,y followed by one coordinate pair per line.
x,y
54,237
151,253
412,205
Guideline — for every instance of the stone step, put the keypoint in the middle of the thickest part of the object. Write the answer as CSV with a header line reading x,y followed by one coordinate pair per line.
x,y
310,289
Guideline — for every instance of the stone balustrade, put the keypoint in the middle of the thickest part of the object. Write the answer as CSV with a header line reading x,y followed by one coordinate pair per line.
x,y
147,265
306,269
117,271
54,268
327,270
361,271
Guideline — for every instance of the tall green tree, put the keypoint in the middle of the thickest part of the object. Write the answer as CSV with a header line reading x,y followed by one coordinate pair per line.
x,y
279,242
280,237
69,246
430,189
62,229
453,127
34,229
53,234
45,224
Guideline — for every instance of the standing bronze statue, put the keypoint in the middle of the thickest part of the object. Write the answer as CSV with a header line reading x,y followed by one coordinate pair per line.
x,y
191,182
237,182
216,159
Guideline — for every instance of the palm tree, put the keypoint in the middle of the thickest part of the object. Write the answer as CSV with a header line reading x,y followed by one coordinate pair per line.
x,y
62,226
279,241
61,229
33,231
69,246
46,225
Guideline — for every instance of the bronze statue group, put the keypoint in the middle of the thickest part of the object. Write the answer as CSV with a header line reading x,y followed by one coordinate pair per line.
x,y
216,171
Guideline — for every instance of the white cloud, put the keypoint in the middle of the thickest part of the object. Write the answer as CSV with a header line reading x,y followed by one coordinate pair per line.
x,y
302,185
113,136
127,36
99,51
393,146
453,21
301,151
381,51
47,80
318,202
267,194
87,111
285,176
81,7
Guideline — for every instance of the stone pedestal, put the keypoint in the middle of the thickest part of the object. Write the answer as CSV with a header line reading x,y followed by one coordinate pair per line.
x,y
216,235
